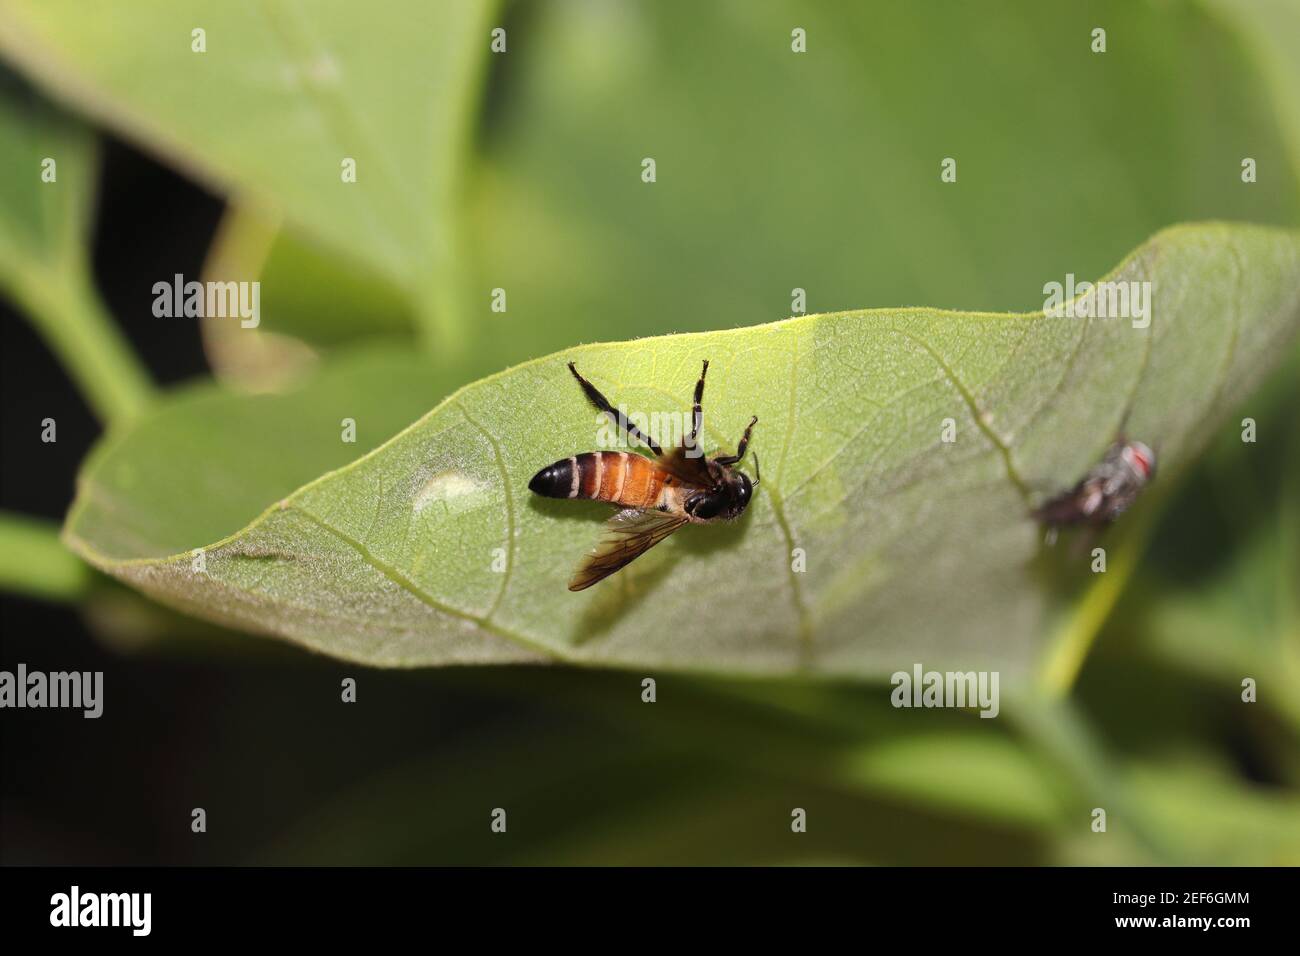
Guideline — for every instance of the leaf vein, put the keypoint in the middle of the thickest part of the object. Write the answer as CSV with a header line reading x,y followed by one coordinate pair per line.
x,y
510,509
977,415
396,577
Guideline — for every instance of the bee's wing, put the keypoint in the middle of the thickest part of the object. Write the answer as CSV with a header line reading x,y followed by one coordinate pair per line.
x,y
628,535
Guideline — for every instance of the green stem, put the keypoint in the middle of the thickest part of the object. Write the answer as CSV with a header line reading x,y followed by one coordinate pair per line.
x,y
34,562
1074,639
65,308
439,316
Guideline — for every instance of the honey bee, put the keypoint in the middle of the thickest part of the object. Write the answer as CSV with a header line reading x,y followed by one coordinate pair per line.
x,y
1105,492
657,495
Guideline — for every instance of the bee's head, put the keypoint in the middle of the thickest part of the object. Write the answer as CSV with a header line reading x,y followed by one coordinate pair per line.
x,y
728,501
1140,458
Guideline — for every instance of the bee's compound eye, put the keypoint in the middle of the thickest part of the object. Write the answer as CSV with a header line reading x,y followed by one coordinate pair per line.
x,y
745,489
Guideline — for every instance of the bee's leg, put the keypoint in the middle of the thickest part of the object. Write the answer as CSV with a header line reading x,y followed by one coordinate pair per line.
x,y
740,449
602,403
697,412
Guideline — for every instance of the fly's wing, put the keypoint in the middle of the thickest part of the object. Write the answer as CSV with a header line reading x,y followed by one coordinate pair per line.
x,y
1057,511
1078,506
693,470
628,535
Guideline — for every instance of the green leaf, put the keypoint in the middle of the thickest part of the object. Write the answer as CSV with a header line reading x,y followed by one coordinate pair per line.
x,y
1270,29
300,314
354,302
821,171
1217,598
916,550
282,95
1218,822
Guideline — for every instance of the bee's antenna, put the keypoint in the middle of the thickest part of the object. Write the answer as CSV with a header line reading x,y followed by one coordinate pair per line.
x,y
757,476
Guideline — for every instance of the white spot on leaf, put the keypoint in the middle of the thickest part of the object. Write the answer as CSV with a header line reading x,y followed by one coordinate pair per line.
x,y
454,490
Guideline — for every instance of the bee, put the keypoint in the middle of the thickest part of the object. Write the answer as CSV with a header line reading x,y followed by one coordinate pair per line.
x,y
657,495
1105,492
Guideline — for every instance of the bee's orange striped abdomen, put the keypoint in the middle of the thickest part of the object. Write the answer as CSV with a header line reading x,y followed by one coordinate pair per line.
x,y
642,482
619,477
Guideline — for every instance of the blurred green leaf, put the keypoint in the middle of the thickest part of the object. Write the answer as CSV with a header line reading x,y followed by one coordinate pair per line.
x,y
1271,32
916,550
282,96
820,171
310,300
1216,821
1000,781
1217,598
201,459
330,299
1229,627
585,792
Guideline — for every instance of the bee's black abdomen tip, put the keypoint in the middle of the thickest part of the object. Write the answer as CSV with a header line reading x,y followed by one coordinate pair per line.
x,y
553,481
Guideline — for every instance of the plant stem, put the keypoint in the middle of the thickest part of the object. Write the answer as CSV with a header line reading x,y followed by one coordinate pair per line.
x,y
34,562
440,317
65,308
1073,640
